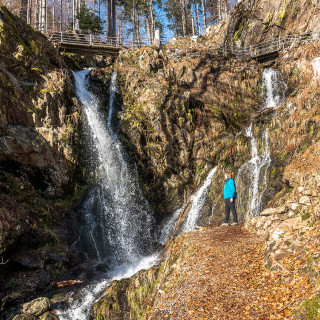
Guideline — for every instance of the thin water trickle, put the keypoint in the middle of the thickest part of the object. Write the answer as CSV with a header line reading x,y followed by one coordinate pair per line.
x,y
194,214
316,67
115,221
198,201
169,226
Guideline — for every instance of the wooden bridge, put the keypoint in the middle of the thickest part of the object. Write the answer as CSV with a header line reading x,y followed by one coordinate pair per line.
x,y
106,46
73,42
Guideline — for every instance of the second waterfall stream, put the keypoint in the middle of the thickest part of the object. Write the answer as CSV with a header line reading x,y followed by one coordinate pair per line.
x,y
116,228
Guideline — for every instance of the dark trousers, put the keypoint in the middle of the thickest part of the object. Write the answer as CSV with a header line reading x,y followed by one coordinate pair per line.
x,y
230,205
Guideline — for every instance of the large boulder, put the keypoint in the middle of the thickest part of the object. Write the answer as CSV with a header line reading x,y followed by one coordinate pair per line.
x,y
36,307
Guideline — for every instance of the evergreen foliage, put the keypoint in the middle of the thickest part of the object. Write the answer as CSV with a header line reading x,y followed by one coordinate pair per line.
x,y
88,20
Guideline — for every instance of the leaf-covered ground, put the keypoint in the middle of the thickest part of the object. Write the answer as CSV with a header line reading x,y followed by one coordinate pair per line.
x,y
222,276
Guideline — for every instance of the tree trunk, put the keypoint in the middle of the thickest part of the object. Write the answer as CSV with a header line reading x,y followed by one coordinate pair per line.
x,y
43,23
53,15
61,15
67,15
183,17
204,13
23,9
219,11
111,19
38,14
135,22
192,21
153,21
198,19
148,21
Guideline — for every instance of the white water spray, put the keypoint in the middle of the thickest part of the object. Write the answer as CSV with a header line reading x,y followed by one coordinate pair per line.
x,y
169,226
275,88
198,201
116,223
316,67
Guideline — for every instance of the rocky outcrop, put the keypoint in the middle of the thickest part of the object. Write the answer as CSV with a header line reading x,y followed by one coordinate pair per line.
x,y
40,174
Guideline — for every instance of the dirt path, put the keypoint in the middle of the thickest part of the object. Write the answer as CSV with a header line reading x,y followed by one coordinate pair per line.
x,y
222,277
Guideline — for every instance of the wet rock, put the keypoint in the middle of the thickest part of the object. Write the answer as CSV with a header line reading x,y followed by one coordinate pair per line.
x,y
24,317
36,307
44,279
28,262
49,316
57,257
305,200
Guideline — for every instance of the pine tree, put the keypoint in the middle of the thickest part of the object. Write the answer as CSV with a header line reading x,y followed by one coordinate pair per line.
x,y
88,20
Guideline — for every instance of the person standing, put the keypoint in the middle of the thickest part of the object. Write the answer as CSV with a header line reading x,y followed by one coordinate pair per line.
x,y
230,195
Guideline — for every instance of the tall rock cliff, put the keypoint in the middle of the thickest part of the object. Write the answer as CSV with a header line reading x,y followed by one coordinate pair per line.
x,y
40,122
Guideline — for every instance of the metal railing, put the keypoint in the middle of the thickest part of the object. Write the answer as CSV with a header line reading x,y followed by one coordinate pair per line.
x,y
93,40
259,49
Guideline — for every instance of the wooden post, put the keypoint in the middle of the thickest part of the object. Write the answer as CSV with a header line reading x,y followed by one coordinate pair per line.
x,y
157,38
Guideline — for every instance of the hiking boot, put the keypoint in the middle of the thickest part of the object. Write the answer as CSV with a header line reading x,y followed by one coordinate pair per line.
x,y
225,225
234,223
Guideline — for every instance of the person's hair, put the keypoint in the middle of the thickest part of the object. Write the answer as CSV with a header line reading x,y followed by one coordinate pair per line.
x,y
229,174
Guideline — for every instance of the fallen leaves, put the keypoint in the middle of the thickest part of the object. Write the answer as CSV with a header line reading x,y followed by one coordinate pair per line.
x,y
221,275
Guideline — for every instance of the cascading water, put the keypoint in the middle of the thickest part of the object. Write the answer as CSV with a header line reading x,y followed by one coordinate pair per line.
x,y
275,88
198,201
254,177
115,222
253,174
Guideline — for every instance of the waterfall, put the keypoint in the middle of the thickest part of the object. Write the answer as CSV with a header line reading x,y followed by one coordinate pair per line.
x,y
253,175
119,218
115,221
198,201
275,88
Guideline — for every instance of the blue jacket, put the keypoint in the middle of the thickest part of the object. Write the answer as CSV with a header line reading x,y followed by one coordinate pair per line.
x,y
230,189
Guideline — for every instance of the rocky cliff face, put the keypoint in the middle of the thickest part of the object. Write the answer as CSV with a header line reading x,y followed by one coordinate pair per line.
x,y
40,124
257,21
182,111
